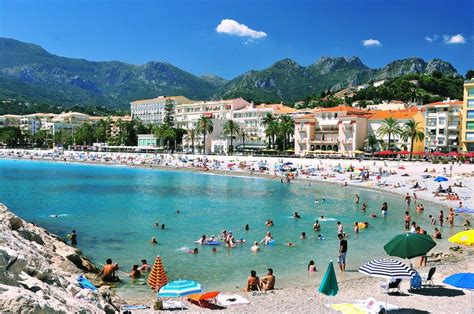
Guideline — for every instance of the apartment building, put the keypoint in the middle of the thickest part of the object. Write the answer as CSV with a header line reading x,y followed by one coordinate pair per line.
x,y
402,116
152,111
338,129
442,126
467,114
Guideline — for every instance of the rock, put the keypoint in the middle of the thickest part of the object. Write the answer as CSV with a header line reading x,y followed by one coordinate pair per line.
x,y
15,223
31,236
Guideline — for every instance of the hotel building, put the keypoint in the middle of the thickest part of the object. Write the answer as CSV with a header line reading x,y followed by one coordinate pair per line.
x,y
442,126
467,130
152,111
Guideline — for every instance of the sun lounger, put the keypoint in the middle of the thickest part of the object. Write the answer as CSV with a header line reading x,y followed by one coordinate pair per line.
x,y
427,279
203,300
391,285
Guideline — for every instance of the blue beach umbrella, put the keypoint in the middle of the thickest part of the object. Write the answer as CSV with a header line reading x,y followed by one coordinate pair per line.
x,y
329,285
440,179
180,288
461,280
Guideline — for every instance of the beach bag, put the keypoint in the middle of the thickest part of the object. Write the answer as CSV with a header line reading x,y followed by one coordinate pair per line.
x,y
415,282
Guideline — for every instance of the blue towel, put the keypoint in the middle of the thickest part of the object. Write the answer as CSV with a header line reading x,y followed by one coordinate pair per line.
x,y
415,282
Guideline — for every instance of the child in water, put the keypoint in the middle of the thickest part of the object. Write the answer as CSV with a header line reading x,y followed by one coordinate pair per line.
x,y
311,267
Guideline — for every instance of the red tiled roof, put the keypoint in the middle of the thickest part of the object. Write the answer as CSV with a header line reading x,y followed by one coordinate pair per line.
x,y
444,103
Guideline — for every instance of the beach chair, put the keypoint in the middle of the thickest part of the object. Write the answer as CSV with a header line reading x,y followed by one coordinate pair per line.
x,y
203,300
427,279
391,285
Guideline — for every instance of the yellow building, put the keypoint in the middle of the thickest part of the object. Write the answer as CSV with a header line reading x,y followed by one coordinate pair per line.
x,y
467,130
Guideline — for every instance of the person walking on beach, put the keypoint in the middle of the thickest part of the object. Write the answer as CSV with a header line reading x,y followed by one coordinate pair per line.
x,y
341,260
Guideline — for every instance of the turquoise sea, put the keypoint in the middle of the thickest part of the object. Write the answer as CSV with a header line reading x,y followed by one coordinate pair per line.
x,y
114,209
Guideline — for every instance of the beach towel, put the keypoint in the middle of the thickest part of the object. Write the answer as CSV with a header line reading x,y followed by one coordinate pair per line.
x,y
172,305
84,283
231,299
348,308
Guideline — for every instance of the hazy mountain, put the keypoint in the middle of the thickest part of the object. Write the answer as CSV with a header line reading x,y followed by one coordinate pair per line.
x,y
28,72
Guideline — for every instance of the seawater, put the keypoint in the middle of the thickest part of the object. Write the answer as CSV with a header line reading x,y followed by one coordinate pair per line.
x,y
113,209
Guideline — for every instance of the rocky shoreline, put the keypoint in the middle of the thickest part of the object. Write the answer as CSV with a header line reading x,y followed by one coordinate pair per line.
x,y
38,272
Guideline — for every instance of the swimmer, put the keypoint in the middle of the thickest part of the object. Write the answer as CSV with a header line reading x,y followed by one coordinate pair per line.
x,y
364,207
356,227
316,226
195,251
153,241
163,227
320,237
247,228
290,244
303,235
178,211
268,223
296,215
373,215
214,250
255,247
157,223
357,198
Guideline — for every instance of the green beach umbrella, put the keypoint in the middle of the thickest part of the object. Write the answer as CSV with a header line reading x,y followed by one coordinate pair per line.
x,y
329,285
409,245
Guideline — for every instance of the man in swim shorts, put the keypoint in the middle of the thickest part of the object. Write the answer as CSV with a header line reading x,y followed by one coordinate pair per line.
x,y
341,260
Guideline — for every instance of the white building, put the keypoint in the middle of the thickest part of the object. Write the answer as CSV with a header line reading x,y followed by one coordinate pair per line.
x,y
388,105
152,111
443,126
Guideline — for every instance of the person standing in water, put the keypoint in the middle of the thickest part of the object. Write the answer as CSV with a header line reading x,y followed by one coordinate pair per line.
x,y
341,260
357,198
73,237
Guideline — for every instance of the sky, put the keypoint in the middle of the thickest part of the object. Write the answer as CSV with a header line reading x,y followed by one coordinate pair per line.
x,y
229,37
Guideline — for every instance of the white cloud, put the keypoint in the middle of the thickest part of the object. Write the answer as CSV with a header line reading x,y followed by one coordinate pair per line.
x,y
371,43
431,38
454,39
232,27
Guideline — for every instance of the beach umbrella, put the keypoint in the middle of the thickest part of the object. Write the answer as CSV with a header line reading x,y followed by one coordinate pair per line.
x,y
440,179
409,245
180,288
438,154
464,237
453,154
461,280
329,285
404,152
385,152
157,277
387,268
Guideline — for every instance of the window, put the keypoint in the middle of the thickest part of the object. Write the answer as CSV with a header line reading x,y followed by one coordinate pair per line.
x,y
470,114
470,92
470,125
470,136
441,131
470,103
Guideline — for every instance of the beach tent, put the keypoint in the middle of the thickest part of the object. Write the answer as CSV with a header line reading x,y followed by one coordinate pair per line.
x,y
329,285
409,245
440,179
157,277
464,237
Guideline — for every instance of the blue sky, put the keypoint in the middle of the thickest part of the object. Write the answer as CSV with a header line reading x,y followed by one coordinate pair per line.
x,y
184,33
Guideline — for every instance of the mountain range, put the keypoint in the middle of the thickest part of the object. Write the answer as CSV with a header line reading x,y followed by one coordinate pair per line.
x,y
30,73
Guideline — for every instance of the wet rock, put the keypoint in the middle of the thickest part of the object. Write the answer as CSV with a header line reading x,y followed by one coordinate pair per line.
x,y
15,223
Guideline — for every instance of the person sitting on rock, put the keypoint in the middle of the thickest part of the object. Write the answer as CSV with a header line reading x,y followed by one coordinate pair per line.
x,y
108,272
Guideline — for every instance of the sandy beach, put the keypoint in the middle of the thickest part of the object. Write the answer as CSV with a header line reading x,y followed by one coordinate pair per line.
x,y
398,177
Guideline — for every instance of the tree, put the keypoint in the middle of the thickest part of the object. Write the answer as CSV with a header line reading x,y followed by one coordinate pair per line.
x,y
193,134
470,75
169,113
286,127
389,127
371,142
243,135
11,136
205,126
231,128
413,131
85,134
269,122
165,133
40,138
102,130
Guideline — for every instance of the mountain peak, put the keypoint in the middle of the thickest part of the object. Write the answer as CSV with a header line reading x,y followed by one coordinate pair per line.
x,y
284,63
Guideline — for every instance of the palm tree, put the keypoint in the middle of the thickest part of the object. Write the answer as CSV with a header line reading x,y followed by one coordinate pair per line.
x,y
165,133
244,135
193,134
389,127
231,127
413,131
205,126
269,122
287,127
371,142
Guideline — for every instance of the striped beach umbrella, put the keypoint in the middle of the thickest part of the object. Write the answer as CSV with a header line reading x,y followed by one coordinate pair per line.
x,y
180,288
387,268
157,277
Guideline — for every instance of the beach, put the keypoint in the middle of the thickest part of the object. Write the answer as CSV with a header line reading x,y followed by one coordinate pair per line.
x,y
305,299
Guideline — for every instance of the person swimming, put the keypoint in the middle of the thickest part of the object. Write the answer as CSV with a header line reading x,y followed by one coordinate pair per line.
x,y
290,244
255,247
214,250
316,226
311,267
320,237
364,207
153,240
194,251
303,235
373,215
296,215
